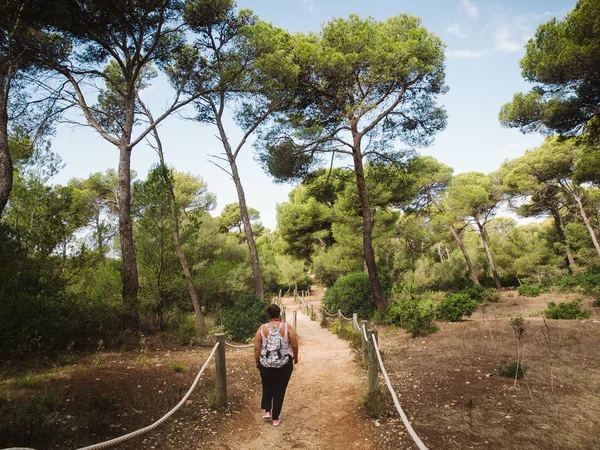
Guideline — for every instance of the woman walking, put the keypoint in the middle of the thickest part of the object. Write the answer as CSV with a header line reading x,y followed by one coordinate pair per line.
x,y
275,352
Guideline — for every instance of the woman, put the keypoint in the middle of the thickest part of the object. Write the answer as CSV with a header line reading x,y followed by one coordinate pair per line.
x,y
275,352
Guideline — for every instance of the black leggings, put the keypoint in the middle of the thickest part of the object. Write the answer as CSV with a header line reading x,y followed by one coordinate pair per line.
x,y
274,384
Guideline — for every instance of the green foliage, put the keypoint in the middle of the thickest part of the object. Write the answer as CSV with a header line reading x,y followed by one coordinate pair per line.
x,y
481,293
561,60
412,315
527,290
351,294
348,333
184,328
178,368
566,310
454,307
245,316
513,369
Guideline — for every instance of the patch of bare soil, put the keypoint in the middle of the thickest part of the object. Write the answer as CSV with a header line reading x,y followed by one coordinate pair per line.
x,y
449,385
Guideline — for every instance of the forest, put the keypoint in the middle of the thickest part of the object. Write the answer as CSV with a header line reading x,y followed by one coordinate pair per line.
x,y
110,258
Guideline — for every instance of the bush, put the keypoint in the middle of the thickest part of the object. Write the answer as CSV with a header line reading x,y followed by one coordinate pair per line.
x,y
352,294
415,317
455,307
511,370
245,316
481,293
185,330
527,290
566,310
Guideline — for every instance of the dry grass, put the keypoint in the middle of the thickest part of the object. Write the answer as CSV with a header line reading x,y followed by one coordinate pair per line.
x,y
448,381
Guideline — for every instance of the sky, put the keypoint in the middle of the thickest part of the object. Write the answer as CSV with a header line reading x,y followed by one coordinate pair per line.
x,y
485,42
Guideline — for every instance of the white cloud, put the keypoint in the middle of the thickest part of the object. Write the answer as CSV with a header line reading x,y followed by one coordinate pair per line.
x,y
505,41
456,30
468,54
469,8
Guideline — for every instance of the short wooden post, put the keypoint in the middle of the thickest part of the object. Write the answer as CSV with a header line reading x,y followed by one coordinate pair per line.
x,y
284,314
364,343
354,321
295,319
279,294
373,363
339,319
221,371
312,312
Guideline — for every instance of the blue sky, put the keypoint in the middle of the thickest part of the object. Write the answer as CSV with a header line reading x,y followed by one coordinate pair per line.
x,y
484,41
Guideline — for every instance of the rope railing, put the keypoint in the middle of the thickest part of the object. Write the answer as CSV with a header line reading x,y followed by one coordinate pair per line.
x,y
238,346
344,317
141,431
405,420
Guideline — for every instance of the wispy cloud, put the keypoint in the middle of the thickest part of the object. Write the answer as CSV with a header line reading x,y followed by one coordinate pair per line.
x,y
456,30
504,40
310,4
468,54
469,8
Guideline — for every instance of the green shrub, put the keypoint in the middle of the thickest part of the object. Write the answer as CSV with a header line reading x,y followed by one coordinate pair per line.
x,y
510,370
527,290
455,307
566,310
597,302
351,294
415,317
481,293
185,331
178,368
245,316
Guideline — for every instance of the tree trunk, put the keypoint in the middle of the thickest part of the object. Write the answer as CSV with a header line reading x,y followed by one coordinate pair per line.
x,y
463,249
489,255
130,272
586,221
369,253
6,167
200,322
254,260
560,229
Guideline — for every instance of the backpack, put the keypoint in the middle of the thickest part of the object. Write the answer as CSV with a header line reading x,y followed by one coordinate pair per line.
x,y
273,353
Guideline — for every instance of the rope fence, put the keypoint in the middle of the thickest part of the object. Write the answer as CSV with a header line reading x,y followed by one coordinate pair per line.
x,y
371,354
405,420
141,431
221,395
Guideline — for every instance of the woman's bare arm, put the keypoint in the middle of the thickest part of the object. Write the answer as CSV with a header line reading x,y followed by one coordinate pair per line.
x,y
293,342
257,345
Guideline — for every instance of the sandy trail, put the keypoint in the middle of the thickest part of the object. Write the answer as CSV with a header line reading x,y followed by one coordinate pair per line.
x,y
321,409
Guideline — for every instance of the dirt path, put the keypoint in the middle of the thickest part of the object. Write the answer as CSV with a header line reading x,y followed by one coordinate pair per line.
x,y
320,410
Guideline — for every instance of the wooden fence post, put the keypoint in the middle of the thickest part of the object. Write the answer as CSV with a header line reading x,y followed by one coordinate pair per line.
x,y
339,319
295,319
364,343
283,314
354,321
373,363
312,312
221,371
